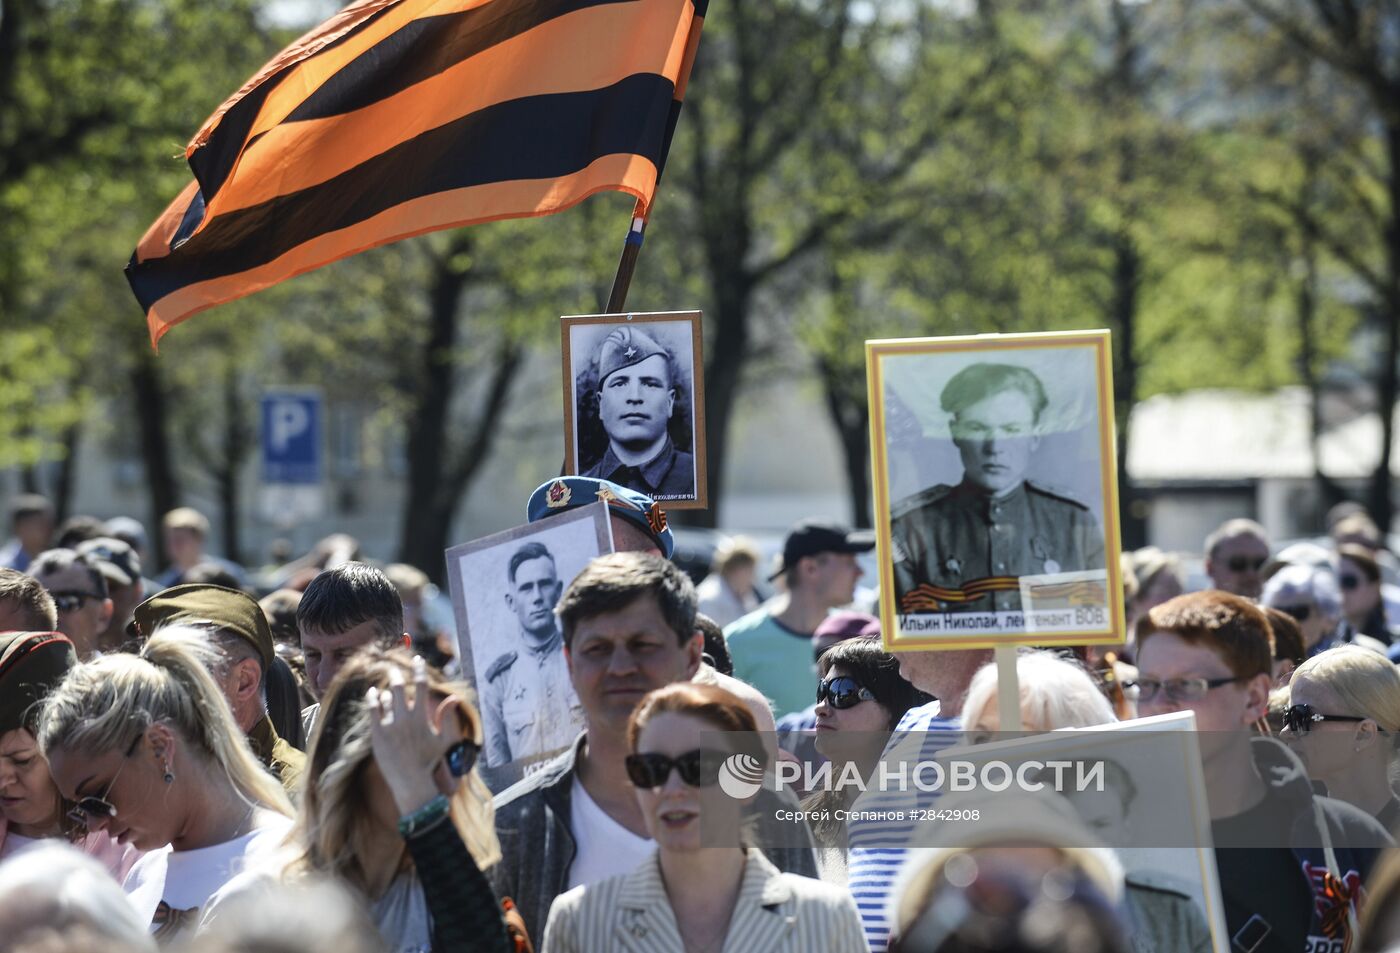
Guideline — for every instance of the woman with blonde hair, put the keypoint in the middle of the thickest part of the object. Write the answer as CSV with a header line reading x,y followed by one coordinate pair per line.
x,y
394,810
1342,716
148,750
702,891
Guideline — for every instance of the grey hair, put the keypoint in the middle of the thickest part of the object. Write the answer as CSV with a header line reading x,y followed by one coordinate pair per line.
x,y
312,915
1055,693
55,886
1294,584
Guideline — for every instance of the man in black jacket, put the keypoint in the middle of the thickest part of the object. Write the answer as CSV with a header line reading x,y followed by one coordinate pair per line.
x,y
1291,863
629,628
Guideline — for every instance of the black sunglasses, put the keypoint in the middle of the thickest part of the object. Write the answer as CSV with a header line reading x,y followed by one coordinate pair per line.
x,y
1241,563
1300,718
1299,613
1349,582
72,600
86,808
842,692
698,768
461,757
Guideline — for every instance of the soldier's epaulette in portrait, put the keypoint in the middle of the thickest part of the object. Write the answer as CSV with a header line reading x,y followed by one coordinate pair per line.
x,y
1056,492
500,665
919,500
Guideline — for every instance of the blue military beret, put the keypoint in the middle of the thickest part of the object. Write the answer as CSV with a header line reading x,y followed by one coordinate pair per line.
x,y
624,347
570,492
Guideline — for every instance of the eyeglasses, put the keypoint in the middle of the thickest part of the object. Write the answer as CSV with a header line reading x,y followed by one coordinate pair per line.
x,y
461,757
698,768
1299,613
71,600
1300,718
87,808
1243,563
1349,582
1177,689
842,692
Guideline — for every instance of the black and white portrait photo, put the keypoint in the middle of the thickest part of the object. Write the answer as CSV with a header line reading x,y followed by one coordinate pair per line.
x,y
634,403
995,480
504,588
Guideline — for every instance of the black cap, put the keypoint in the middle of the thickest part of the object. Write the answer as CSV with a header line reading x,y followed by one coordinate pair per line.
x,y
31,665
814,537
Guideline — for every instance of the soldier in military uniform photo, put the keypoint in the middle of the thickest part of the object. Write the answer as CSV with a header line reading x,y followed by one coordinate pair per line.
x,y
641,407
527,702
964,547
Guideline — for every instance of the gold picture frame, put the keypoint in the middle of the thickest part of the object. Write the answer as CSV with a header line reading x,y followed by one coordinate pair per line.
x,y
976,548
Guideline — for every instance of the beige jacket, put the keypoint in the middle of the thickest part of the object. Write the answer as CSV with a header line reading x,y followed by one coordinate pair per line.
x,y
775,913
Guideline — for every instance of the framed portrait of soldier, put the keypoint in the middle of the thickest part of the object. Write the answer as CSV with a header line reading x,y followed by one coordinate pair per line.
x,y
995,490
634,398
510,646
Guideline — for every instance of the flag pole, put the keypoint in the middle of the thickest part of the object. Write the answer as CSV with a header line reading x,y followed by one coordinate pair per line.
x,y
636,231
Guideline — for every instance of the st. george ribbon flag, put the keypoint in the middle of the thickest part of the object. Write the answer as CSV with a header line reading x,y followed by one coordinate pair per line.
x,y
400,117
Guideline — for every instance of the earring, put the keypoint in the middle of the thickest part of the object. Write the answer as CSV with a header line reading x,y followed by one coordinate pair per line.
x,y
169,775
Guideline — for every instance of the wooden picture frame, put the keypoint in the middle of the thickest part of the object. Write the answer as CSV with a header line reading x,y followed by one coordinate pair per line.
x,y
995,490
679,466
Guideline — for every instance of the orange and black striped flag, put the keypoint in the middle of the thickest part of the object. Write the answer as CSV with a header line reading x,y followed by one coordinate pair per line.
x,y
400,117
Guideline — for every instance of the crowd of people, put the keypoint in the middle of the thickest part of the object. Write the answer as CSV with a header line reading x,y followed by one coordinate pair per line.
x,y
214,759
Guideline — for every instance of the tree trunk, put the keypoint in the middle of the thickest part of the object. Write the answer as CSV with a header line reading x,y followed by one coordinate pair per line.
x,y
1380,502
152,414
849,410
723,375
67,469
425,549
427,430
237,439
1127,278
1328,492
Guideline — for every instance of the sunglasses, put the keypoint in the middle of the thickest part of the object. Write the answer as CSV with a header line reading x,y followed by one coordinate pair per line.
x,y
1349,582
842,692
85,809
1177,689
1299,613
72,600
698,768
1243,563
1299,719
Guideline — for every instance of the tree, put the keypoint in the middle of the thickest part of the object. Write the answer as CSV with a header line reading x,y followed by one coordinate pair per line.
x,y
1354,44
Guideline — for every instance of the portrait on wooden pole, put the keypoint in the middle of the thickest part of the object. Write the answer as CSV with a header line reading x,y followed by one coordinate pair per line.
x,y
634,400
995,489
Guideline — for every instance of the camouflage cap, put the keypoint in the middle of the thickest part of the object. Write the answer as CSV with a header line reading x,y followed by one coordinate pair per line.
x,y
624,347
198,604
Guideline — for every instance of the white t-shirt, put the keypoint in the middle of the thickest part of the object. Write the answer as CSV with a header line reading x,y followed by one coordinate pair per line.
x,y
14,843
605,847
170,887
401,915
